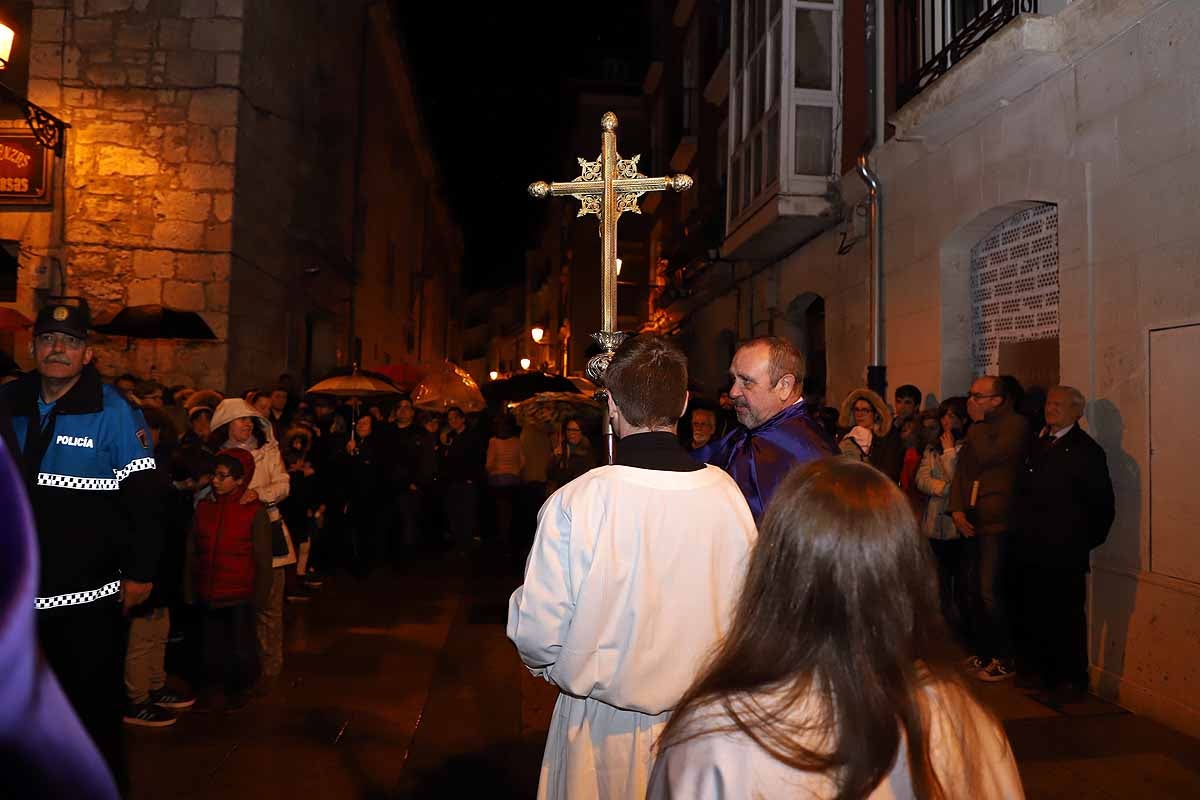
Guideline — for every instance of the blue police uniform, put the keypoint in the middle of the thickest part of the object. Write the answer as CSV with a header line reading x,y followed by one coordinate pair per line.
x,y
88,464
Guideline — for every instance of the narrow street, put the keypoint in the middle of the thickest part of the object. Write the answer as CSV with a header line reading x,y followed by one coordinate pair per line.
x,y
399,685
403,685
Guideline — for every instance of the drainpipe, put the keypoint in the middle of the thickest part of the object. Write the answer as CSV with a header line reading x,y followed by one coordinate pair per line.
x,y
877,370
876,111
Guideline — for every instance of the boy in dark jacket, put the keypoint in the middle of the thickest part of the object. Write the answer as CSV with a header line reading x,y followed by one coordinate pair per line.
x,y
229,575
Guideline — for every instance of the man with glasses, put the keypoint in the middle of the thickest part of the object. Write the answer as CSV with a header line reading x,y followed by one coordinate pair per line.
x,y
87,459
981,507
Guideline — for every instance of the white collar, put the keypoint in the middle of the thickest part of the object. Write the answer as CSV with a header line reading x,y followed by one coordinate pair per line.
x,y
1063,432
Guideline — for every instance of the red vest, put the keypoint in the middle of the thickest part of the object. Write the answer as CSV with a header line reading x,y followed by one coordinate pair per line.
x,y
223,562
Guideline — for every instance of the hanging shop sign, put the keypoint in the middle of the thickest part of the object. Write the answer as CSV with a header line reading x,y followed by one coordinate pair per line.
x,y
24,170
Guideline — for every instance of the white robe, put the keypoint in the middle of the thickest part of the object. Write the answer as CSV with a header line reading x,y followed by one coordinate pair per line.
x,y
968,750
630,583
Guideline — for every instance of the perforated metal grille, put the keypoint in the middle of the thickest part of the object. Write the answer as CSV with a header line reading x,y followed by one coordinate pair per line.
x,y
1014,285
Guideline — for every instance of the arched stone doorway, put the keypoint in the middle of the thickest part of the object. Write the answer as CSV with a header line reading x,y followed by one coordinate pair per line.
x,y
1014,300
999,290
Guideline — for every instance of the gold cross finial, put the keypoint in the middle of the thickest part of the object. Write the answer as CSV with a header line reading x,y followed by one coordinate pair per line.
x,y
608,187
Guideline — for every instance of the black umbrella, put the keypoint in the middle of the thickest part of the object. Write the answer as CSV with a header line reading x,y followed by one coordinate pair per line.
x,y
157,322
524,385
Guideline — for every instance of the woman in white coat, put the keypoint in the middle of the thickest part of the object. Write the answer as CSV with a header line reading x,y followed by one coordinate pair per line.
x,y
235,423
827,684
934,477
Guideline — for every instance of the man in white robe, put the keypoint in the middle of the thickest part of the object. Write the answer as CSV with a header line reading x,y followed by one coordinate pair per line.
x,y
630,583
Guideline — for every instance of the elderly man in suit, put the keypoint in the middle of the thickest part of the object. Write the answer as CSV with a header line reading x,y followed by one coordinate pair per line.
x,y
1064,509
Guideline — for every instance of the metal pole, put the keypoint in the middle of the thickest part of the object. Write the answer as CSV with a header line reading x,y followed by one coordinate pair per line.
x,y
608,266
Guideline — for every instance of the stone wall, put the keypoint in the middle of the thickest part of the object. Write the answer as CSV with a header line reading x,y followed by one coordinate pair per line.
x,y
212,165
291,215
338,198
410,249
146,195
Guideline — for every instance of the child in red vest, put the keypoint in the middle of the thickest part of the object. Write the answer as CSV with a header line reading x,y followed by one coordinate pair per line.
x,y
229,576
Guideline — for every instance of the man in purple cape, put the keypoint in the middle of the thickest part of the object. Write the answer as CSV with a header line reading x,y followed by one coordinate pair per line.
x,y
777,431
44,750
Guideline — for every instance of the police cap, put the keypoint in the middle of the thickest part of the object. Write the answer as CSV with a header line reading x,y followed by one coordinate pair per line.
x,y
62,317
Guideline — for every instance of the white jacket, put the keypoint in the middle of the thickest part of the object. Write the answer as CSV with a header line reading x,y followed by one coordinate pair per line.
x,y
270,479
968,749
934,477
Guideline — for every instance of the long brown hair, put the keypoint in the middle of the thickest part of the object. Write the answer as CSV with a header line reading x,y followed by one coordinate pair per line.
x,y
839,613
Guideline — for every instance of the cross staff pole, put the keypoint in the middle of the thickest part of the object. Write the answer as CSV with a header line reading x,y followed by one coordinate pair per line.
x,y
608,187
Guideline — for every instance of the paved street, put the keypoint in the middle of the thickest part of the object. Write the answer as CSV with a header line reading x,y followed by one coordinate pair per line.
x,y
403,685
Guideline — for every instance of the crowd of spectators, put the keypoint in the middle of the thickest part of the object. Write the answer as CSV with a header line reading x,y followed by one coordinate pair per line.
x,y
265,493
1011,493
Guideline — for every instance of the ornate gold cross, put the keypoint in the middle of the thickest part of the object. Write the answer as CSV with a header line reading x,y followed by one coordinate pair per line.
x,y
608,187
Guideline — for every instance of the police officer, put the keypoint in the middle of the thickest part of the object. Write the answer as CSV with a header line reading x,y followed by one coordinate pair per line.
x,y
87,460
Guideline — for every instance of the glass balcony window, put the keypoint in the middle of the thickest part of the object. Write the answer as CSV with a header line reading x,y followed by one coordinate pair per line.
x,y
784,101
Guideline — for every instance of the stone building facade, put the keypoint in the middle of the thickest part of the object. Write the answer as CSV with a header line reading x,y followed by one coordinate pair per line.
x,y
1039,220
216,164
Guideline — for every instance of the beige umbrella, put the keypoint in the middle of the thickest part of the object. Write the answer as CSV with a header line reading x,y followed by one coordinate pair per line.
x,y
446,386
356,384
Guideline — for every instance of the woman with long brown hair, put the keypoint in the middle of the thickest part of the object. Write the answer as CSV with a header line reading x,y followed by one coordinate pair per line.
x,y
827,684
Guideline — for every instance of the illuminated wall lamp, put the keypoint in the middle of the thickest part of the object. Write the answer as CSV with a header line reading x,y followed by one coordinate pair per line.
x,y
525,362
6,44
537,332
493,375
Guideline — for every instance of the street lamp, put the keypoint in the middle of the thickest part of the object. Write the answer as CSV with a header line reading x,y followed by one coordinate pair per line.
x,y
493,375
525,362
537,332
6,44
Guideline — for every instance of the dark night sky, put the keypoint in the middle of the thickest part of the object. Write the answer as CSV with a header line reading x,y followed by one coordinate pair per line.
x,y
490,78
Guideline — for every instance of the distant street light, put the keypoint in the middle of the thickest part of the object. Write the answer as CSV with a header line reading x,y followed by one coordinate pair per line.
x,y
537,333
493,375
6,44
525,362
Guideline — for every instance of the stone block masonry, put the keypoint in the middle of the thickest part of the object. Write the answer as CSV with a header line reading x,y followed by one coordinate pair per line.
x,y
150,89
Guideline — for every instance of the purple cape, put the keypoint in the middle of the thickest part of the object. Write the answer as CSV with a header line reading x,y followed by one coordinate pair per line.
x,y
44,750
758,459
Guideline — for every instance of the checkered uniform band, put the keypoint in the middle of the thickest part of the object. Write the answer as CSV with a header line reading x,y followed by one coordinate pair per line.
x,y
95,484
73,482
137,465
76,598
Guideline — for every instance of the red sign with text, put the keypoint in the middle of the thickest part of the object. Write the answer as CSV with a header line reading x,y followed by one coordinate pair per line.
x,y
24,170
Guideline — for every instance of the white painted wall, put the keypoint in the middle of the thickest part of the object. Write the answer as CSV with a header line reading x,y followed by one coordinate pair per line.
x,y
1113,140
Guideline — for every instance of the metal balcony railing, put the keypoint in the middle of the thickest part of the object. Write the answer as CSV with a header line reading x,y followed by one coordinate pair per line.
x,y
934,35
